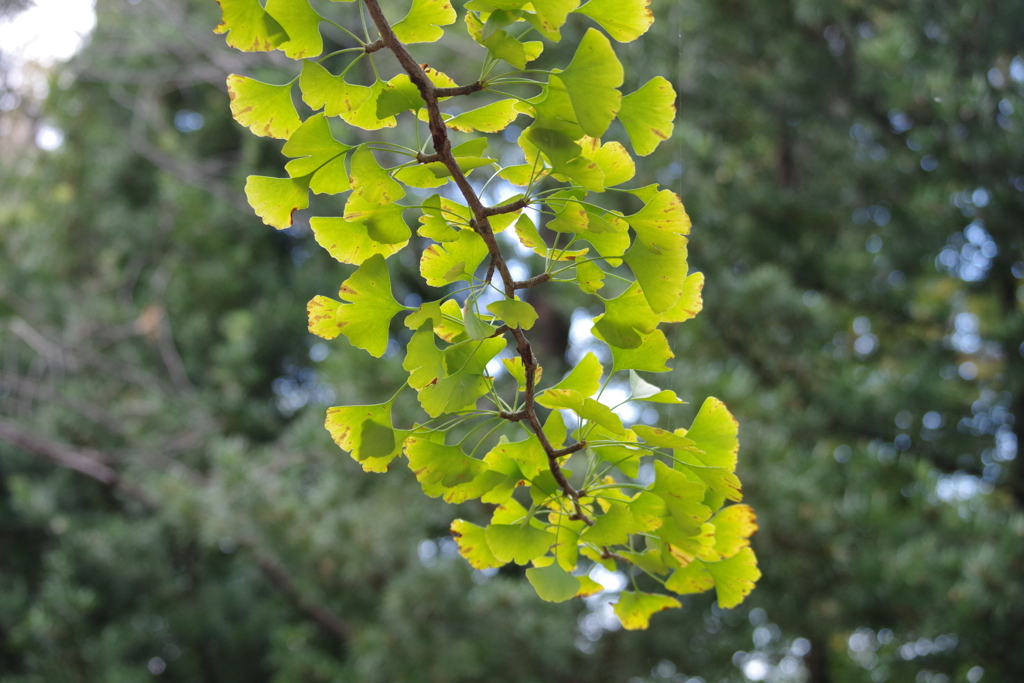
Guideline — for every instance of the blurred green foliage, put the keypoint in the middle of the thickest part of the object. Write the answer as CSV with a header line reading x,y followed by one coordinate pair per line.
x,y
856,183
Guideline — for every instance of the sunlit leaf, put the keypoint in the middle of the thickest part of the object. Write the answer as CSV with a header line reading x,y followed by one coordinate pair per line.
x,y
276,199
514,313
634,609
682,497
423,360
586,408
350,241
465,382
490,118
313,145
734,577
734,526
364,115
528,455
624,20
322,312
322,90
518,372
691,578
422,23
641,390
647,114
662,275
249,27
443,264
436,465
714,431
589,276
552,583
612,158
265,109
690,302
364,321
473,545
517,543
301,23
662,223
652,355
627,319
614,527
660,438
591,80
585,377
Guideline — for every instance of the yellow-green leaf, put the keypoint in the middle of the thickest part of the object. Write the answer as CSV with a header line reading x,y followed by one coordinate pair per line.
x,y
652,355
322,312
322,90
249,27
473,546
714,432
624,20
647,115
276,199
422,23
443,264
692,578
734,526
552,583
690,302
350,241
591,81
364,321
661,274
265,109
662,223
514,313
312,146
627,319
734,577
634,609
302,24
489,118
517,543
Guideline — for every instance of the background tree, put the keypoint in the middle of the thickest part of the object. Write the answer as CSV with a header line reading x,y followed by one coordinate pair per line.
x,y
169,504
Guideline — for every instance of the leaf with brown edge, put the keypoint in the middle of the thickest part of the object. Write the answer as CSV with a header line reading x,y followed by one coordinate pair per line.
x,y
473,545
634,609
249,27
265,109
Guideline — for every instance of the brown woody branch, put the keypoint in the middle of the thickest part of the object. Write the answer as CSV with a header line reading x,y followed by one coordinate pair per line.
x,y
443,151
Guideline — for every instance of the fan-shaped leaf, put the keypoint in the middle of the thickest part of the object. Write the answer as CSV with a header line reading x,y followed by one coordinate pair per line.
x,y
423,22
647,114
634,609
624,20
302,24
249,27
265,109
276,199
591,81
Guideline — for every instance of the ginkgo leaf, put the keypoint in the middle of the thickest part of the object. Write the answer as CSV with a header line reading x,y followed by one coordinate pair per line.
x,y
614,527
437,466
419,175
443,264
323,90
276,199
662,275
627,319
476,328
714,431
650,561
719,480
612,158
570,216
624,20
438,213
465,363
557,146
528,455
682,497
553,110
364,321
661,438
517,543
530,238
422,23
588,587
265,109
550,15
518,372
586,408
384,222
647,114
634,609
346,426
249,27
734,526
370,182
734,577
514,313
302,24
690,301
641,390
401,94
591,80
311,146
652,355
350,241
332,178
364,115
473,545
423,360
322,312
691,578
589,277
585,377
662,223
552,583
490,118
503,46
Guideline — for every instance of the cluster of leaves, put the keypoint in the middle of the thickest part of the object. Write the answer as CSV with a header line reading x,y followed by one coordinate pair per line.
x,y
674,526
